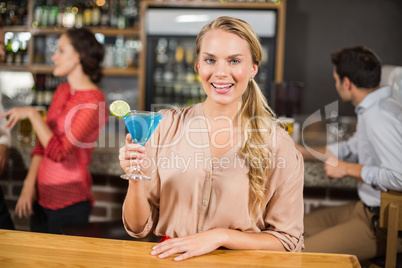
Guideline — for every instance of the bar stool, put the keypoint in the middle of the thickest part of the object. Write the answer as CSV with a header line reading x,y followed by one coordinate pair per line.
x,y
391,219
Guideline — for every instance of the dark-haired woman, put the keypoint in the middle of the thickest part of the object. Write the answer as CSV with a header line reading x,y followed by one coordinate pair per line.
x,y
57,189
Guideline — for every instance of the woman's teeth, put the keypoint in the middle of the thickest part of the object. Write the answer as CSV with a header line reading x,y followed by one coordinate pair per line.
x,y
221,86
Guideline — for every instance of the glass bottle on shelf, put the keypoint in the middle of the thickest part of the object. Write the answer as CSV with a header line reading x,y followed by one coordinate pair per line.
x,y
24,52
96,15
37,14
179,76
131,12
68,15
9,51
190,75
53,14
87,14
113,16
44,15
60,14
179,68
120,53
121,19
104,20
16,47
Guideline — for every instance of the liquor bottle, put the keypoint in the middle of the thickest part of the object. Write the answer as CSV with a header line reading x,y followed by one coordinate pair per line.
x,y
22,13
131,12
96,15
88,13
68,15
121,19
16,46
3,10
53,14
60,15
113,13
10,13
120,53
9,52
37,16
190,75
24,51
44,16
79,18
179,68
104,20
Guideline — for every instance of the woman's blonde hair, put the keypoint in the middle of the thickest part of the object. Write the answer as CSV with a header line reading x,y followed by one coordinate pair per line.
x,y
257,118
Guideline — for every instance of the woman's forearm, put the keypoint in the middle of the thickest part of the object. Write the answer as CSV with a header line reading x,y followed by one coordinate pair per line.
x,y
233,239
136,206
30,179
42,129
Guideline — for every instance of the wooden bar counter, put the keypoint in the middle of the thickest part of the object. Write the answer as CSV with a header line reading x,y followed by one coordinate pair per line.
x,y
26,249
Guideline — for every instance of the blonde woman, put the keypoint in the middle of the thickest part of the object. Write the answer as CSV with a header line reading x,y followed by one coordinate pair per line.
x,y
224,174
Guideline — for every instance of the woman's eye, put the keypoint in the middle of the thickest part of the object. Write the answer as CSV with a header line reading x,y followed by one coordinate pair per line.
x,y
234,61
209,61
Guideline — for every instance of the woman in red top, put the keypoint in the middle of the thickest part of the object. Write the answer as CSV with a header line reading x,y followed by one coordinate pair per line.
x,y
57,188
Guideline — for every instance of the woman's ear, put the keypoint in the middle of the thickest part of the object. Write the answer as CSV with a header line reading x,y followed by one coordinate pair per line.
x,y
254,70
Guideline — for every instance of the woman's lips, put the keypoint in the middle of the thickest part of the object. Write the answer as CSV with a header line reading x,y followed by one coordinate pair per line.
x,y
222,88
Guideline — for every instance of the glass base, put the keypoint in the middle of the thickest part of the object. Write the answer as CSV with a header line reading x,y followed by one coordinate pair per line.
x,y
135,177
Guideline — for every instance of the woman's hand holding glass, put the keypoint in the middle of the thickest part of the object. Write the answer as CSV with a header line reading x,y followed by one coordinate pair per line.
x,y
131,156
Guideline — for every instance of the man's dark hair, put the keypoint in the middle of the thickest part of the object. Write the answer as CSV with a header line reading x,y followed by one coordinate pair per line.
x,y
360,64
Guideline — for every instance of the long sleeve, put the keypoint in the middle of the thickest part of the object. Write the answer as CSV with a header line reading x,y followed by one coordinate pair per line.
x,y
285,209
387,173
75,122
81,124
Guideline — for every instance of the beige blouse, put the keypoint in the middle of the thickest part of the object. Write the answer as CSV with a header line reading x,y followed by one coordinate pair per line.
x,y
192,192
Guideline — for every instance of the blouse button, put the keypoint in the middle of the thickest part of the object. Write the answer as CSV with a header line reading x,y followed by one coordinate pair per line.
x,y
205,202
201,230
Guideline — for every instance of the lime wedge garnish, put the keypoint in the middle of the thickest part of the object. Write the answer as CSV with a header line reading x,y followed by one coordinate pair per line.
x,y
119,108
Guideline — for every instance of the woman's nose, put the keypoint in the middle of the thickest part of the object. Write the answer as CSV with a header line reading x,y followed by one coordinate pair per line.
x,y
221,68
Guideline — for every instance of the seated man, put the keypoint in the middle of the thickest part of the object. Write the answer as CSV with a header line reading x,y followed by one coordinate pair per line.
x,y
372,156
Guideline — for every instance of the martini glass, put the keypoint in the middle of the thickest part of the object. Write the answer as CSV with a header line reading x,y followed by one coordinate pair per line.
x,y
140,125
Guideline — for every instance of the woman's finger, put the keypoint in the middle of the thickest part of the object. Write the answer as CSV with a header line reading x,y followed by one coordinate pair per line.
x,y
12,122
26,214
30,208
128,138
18,210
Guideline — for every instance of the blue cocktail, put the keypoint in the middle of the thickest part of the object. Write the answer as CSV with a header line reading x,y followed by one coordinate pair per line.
x,y
140,125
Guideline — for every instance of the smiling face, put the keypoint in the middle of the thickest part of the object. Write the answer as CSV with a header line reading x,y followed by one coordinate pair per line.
x,y
65,59
225,66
